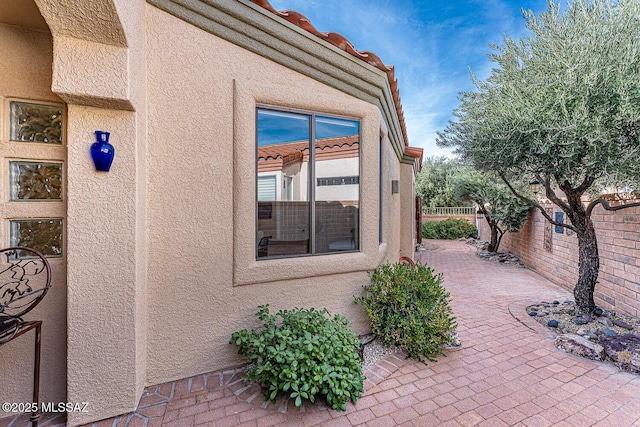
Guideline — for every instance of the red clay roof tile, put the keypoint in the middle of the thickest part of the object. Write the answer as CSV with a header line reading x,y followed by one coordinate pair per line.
x,y
341,42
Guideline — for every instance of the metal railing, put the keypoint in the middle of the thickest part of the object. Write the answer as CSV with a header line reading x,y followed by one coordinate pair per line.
x,y
448,211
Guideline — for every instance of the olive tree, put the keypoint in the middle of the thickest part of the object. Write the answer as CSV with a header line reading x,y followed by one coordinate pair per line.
x,y
433,183
561,106
501,209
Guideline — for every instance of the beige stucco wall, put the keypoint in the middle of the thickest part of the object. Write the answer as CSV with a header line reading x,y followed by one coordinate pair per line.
x,y
99,70
407,212
204,280
25,70
161,262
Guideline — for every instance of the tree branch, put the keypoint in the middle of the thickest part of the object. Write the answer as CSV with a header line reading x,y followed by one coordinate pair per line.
x,y
588,181
605,204
551,195
537,206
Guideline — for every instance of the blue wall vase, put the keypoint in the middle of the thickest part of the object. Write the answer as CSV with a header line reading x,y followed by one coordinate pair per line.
x,y
102,152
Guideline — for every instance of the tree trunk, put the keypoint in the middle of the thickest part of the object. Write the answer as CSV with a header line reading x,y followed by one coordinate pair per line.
x,y
588,267
493,244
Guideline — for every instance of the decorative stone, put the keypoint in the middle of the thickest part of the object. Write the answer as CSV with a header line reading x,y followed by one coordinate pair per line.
x,y
579,321
533,314
575,344
582,332
622,324
555,302
597,311
553,323
605,321
624,350
609,332
591,336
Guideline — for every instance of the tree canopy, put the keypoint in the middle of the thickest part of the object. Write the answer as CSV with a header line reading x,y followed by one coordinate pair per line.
x,y
500,208
433,183
561,106
563,103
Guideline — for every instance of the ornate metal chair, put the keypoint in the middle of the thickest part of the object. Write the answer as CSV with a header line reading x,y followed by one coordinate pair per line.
x,y
25,278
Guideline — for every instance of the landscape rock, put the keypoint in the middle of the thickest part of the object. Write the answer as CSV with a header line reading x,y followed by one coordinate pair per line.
x,y
622,324
552,323
605,321
579,321
624,350
582,332
575,344
609,332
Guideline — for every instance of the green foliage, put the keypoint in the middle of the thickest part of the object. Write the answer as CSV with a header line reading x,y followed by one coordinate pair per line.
x,y
308,353
450,228
562,104
408,307
433,182
501,209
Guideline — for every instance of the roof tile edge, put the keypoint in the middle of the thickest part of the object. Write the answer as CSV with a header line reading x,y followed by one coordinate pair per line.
x,y
342,43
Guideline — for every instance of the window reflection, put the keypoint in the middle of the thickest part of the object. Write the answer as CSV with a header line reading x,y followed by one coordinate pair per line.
x,y
337,191
285,171
283,192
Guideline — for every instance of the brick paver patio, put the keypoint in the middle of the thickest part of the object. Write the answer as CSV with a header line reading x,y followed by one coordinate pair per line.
x,y
507,372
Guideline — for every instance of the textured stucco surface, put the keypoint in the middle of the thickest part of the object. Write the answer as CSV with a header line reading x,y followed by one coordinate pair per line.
x,y
105,85
97,20
407,210
161,249
204,281
25,67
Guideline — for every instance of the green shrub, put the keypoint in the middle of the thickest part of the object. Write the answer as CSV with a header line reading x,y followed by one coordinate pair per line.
x,y
309,353
450,228
408,307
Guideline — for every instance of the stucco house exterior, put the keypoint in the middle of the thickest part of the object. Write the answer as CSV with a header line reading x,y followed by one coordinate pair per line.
x,y
257,161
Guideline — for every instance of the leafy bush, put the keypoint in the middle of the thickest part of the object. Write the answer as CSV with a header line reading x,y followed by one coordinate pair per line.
x,y
408,307
450,228
309,353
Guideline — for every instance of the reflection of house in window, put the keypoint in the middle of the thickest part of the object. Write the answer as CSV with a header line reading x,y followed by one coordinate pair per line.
x,y
294,217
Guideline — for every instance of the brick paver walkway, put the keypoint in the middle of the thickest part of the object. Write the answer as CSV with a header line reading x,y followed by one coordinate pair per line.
x,y
507,373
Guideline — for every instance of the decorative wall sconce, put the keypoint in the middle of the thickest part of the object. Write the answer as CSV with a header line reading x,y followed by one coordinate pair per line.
x,y
534,184
395,186
102,152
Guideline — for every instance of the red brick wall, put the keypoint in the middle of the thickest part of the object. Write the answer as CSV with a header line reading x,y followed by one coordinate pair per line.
x,y
618,235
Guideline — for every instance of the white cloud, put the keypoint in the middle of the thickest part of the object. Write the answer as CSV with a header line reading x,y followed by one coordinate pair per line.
x,y
431,44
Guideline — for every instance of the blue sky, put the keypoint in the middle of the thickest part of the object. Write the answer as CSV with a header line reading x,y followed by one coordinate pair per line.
x,y
432,43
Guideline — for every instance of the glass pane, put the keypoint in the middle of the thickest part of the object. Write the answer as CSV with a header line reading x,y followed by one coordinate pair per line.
x,y
36,123
35,181
44,235
282,186
337,191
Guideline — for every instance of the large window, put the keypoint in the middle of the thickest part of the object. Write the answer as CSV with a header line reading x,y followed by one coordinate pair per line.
x,y
308,183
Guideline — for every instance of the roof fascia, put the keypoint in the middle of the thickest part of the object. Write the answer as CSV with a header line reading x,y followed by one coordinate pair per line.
x,y
251,27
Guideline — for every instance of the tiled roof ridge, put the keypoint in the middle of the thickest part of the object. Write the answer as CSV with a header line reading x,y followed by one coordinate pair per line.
x,y
301,146
341,42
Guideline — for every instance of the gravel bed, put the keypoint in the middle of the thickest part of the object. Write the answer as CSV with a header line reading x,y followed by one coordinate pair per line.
x,y
374,351
565,313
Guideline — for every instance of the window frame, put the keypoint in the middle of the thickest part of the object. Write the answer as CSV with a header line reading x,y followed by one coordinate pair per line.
x,y
311,184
